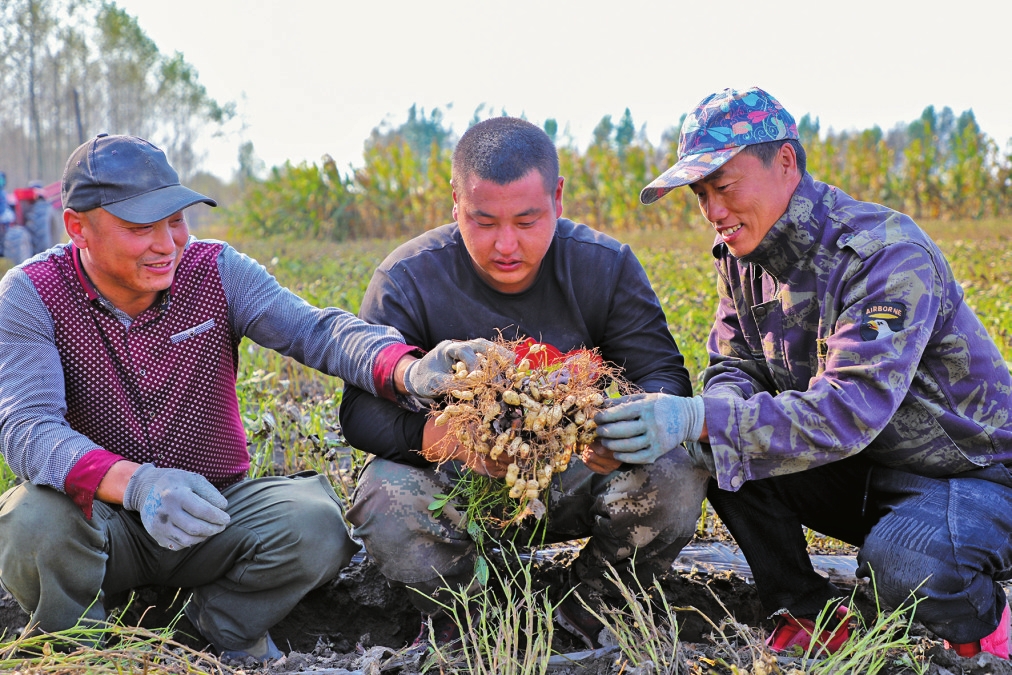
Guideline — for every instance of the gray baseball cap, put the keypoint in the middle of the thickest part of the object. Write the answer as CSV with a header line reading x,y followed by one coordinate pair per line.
x,y
128,177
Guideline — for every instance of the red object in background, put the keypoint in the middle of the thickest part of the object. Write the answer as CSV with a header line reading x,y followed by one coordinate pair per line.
x,y
22,197
51,193
19,199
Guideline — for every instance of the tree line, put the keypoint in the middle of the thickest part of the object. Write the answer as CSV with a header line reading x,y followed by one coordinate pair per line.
x,y
72,68
940,166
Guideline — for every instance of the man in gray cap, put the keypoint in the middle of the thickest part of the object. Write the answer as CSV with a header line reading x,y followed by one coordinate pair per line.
x,y
850,389
119,412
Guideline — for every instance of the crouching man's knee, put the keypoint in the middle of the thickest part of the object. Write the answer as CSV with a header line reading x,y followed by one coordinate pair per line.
x,y
680,489
954,602
655,504
410,543
47,543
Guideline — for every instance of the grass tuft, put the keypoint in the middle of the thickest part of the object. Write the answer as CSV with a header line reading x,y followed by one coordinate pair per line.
x,y
128,650
506,628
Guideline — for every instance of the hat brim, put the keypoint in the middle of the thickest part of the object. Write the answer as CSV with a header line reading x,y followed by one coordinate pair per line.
x,y
156,205
686,171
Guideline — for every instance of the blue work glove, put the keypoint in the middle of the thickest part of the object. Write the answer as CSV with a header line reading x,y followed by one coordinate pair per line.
x,y
640,428
178,508
431,376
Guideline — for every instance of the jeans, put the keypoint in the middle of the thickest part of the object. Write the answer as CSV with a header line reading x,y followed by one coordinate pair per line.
x,y
286,537
947,541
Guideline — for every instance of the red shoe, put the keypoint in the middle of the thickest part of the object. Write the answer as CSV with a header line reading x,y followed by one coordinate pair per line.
x,y
998,643
445,631
792,633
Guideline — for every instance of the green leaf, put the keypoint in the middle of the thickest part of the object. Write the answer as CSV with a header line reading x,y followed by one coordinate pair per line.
x,y
481,570
437,504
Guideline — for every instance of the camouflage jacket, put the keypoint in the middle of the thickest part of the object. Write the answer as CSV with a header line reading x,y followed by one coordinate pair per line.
x,y
845,332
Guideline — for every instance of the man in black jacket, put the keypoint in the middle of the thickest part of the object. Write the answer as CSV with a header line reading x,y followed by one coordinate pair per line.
x,y
511,265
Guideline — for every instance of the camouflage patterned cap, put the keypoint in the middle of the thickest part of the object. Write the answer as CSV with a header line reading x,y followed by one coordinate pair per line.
x,y
721,125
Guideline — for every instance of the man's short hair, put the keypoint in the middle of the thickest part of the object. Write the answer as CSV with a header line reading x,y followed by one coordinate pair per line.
x,y
765,152
504,150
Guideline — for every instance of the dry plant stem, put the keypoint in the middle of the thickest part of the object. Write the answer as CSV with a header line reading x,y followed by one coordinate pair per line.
x,y
136,650
645,633
127,649
508,635
536,414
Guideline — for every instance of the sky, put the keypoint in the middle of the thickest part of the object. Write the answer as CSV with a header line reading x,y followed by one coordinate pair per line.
x,y
314,77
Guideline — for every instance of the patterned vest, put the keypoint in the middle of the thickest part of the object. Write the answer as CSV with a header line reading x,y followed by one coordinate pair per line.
x,y
162,390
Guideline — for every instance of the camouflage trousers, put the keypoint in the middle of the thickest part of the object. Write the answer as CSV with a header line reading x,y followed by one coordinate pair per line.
x,y
637,518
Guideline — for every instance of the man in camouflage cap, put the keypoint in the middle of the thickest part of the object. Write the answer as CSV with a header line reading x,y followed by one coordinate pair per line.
x,y
850,389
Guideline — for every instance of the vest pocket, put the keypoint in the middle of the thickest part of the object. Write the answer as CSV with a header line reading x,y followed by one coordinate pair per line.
x,y
190,332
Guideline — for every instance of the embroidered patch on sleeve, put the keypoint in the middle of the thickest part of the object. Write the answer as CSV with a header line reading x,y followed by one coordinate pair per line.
x,y
882,319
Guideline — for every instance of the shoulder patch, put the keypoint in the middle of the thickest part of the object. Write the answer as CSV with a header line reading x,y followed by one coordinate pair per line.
x,y
882,319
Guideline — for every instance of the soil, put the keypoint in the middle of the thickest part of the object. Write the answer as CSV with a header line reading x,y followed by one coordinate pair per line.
x,y
359,624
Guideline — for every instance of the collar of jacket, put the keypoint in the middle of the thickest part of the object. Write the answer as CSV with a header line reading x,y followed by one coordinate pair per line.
x,y
798,230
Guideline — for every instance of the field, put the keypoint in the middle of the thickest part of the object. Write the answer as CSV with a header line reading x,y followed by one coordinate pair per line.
x,y
679,267
291,412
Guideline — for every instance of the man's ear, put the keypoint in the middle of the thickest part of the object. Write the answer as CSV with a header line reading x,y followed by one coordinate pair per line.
x,y
73,222
455,206
787,159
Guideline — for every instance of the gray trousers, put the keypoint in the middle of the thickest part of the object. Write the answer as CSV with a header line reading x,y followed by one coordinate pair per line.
x,y
286,537
637,517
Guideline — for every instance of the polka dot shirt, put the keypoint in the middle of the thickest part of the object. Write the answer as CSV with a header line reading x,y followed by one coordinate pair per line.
x,y
79,377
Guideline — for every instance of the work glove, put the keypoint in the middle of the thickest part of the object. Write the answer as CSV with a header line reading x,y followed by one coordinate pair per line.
x,y
640,428
431,375
178,508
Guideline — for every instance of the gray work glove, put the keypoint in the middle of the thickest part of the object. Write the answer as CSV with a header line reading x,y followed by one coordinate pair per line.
x,y
178,508
640,428
431,376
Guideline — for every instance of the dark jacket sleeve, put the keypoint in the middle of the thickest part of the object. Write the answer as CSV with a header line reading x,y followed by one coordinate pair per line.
x,y
636,335
378,426
373,424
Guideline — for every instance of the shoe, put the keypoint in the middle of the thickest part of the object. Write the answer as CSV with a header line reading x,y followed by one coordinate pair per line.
x,y
998,643
792,633
263,650
577,619
445,630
